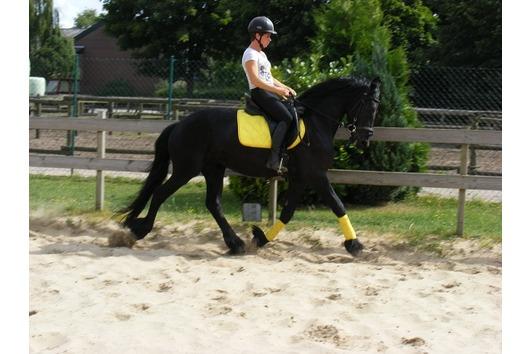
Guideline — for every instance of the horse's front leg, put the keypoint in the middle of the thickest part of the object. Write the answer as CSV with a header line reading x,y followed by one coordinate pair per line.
x,y
322,186
214,181
294,193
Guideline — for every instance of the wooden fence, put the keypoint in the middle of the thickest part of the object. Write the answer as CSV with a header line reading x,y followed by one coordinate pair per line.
x,y
462,137
160,107
130,107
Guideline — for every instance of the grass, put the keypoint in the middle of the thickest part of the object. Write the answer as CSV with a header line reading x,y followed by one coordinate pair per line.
x,y
421,221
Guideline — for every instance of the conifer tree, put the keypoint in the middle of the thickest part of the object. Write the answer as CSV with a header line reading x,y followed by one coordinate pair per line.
x,y
51,55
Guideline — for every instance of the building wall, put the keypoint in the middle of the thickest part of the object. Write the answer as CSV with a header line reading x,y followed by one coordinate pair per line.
x,y
107,70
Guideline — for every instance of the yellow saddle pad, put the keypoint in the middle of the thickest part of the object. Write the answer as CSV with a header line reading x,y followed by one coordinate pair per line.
x,y
253,131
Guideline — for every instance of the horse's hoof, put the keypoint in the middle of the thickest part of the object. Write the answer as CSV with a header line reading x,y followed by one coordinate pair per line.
x,y
259,238
353,247
236,246
138,228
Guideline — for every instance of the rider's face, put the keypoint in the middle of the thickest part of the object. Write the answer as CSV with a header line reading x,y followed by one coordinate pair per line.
x,y
266,39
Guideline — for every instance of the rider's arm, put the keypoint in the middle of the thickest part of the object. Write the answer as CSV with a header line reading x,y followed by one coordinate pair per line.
x,y
252,70
280,84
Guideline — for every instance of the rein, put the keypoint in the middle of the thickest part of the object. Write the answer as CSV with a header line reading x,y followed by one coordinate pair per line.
x,y
350,126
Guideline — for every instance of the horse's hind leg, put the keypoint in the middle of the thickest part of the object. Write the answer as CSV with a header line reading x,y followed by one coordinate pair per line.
x,y
214,181
142,226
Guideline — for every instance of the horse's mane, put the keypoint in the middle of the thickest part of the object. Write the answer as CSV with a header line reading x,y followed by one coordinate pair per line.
x,y
334,84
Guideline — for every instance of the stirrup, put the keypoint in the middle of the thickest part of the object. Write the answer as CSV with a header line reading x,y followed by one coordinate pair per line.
x,y
281,169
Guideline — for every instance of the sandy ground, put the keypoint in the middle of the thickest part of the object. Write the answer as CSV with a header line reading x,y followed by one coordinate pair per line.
x,y
179,292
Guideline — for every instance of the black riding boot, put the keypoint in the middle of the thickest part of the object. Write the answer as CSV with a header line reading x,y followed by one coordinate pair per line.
x,y
277,138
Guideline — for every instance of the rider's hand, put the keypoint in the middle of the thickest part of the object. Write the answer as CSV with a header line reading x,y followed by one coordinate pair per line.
x,y
284,92
292,91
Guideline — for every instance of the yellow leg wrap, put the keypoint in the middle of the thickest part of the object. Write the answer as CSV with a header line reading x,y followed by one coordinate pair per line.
x,y
275,229
346,228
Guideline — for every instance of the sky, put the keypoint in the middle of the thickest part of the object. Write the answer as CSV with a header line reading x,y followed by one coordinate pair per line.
x,y
69,9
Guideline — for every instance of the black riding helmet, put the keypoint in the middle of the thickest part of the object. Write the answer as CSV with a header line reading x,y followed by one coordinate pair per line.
x,y
261,24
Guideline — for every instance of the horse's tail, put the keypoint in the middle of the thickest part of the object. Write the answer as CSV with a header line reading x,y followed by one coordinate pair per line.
x,y
157,173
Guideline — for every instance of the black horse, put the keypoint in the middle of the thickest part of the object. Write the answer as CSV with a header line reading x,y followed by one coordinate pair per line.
x,y
207,142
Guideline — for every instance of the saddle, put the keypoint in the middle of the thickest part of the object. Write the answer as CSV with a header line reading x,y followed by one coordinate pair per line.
x,y
255,126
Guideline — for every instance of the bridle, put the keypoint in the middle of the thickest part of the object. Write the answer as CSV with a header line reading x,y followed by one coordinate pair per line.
x,y
352,115
352,128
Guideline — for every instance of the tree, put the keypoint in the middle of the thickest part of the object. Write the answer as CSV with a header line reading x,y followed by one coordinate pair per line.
x,y
188,29
344,28
51,55
366,48
293,20
412,26
198,32
55,59
86,18
191,30
196,29
40,22
470,32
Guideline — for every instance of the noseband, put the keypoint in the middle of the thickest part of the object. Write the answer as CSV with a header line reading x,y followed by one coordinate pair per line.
x,y
358,108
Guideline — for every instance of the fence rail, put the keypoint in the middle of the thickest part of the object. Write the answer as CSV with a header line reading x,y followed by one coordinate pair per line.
x,y
462,137
423,135
377,178
140,106
133,106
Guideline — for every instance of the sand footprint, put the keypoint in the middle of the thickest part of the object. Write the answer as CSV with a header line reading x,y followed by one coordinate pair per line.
x,y
273,290
218,310
163,287
371,291
415,341
334,297
266,291
451,285
141,306
326,334
122,316
110,282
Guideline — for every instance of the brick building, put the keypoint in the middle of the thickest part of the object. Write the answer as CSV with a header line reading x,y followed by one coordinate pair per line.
x,y
105,69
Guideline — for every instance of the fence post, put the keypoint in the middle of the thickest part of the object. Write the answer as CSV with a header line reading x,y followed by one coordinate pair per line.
x,y
463,170
272,205
100,154
472,164
74,107
169,109
38,114
110,108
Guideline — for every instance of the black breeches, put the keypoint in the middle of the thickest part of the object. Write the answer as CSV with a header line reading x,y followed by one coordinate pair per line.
x,y
271,104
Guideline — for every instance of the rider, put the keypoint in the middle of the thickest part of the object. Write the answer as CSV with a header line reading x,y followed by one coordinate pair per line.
x,y
266,91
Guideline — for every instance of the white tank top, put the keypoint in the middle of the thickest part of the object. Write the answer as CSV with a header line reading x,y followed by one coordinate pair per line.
x,y
264,66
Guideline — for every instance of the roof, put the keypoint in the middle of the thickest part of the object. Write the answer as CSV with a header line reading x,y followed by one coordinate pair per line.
x,y
71,32
77,33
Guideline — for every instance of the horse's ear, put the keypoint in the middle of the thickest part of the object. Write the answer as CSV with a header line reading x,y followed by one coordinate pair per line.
x,y
375,85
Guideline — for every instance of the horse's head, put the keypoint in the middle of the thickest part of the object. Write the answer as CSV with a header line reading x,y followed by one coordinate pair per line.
x,y
361,116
